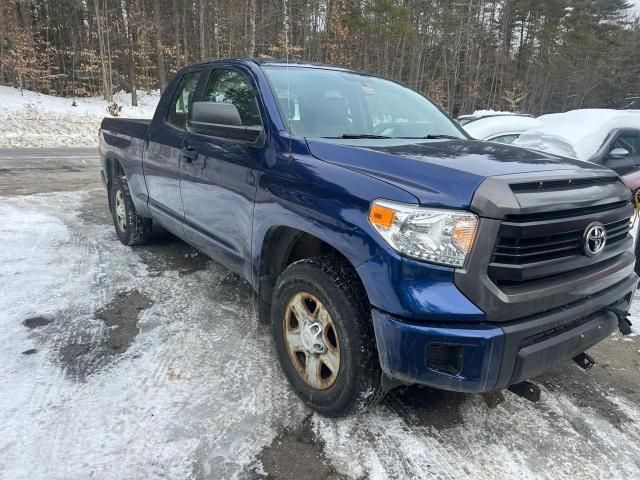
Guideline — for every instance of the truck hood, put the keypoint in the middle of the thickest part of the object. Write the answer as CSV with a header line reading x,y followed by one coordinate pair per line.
x,y
446,172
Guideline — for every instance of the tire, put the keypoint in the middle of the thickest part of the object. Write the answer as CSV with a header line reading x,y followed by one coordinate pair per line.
x,y
131,228
347,333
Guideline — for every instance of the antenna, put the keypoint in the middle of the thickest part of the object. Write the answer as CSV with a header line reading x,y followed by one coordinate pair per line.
x,y
286,55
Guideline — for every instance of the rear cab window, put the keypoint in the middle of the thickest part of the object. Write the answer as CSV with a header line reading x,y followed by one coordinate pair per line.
x,y
181,103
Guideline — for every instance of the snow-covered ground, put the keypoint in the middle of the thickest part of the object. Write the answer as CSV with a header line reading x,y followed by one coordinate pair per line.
x,y
197,393
36,120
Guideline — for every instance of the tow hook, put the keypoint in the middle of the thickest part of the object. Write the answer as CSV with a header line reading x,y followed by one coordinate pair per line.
x,y
624,324
585,360
527,390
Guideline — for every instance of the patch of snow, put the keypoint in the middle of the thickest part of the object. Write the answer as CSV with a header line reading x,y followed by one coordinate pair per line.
x,y
37,120
578,133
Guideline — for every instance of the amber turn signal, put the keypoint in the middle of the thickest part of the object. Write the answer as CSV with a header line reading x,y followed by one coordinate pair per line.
x,y
381,216
464,233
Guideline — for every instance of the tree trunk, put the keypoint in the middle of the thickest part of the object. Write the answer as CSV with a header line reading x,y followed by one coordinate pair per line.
x,y
109,63
162,73
203,50
216,30
252,28
132,59
176,28
106,91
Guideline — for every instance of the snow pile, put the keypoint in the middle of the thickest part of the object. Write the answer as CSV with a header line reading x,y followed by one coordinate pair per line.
x,y
578,133
491,127
36,120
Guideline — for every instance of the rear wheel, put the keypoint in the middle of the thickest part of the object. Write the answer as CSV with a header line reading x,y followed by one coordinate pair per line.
x,y
324,338
131,228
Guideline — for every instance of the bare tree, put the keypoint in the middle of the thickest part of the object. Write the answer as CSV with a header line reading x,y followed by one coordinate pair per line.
x,y
157,25
468,54
106,86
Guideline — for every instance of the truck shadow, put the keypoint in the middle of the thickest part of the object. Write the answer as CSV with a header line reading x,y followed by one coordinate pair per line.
x,y
168,252
428,407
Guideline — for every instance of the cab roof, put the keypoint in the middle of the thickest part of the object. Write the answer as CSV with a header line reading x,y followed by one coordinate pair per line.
x,y
279,63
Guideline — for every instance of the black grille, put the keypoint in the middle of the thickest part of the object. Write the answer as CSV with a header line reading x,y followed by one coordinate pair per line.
x,y
530,247
574,212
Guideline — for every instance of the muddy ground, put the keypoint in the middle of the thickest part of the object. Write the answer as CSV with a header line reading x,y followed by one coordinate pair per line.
x,y
149,363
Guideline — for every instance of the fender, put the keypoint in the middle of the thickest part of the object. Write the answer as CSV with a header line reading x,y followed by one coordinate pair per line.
x,y
327,201
130,158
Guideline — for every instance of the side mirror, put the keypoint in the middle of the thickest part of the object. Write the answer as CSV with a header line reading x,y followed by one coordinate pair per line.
x,y
619,153
219,119
219,113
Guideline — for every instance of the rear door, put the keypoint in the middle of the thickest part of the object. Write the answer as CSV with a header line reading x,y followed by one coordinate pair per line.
x,y
164,153
218,181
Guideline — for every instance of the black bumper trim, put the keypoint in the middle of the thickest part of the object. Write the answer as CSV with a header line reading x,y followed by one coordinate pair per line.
x,y
534,344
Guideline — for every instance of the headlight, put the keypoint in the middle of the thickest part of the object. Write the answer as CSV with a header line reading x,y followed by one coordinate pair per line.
x,y
432,234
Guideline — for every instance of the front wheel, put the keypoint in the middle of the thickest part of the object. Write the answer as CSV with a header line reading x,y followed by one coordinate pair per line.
x,y
131,228
324,338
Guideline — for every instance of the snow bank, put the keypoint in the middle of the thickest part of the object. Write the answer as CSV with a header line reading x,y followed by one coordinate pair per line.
x,y
578,133
36,120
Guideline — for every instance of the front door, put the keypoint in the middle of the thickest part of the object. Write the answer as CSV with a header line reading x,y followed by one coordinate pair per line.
x,y
164,153
218,179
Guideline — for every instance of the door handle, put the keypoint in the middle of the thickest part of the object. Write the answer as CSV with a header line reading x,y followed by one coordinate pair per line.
x,y
189,154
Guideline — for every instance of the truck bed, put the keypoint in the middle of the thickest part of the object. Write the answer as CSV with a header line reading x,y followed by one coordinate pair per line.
x,y
132,127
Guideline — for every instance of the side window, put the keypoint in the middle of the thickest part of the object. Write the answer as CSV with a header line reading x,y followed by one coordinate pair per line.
x,y
231,86
628,141
179,110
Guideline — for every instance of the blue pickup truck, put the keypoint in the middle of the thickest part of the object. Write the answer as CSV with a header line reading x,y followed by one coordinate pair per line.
x,y
384,245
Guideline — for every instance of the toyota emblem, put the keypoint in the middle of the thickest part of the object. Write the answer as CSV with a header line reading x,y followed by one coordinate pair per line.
x,y
595,238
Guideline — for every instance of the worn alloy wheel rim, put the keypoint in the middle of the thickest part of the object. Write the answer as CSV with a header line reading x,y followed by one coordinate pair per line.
x,y
121,214
312,341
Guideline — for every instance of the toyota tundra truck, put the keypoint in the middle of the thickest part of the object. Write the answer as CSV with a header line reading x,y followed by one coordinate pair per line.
x,y
384,245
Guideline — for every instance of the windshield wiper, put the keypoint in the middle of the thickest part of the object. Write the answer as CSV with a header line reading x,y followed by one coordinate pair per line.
x,y
362,135
433,136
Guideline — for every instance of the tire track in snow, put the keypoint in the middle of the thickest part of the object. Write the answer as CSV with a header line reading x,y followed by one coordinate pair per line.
x,y
450,457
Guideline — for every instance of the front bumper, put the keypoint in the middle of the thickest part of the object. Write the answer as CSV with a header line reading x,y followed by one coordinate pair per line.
x,y
485,357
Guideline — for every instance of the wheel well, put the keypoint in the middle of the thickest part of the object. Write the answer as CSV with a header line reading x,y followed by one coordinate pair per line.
x,y
282,247
114,168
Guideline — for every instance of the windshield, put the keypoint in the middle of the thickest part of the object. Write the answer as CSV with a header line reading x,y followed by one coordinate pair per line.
x,y
336,104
